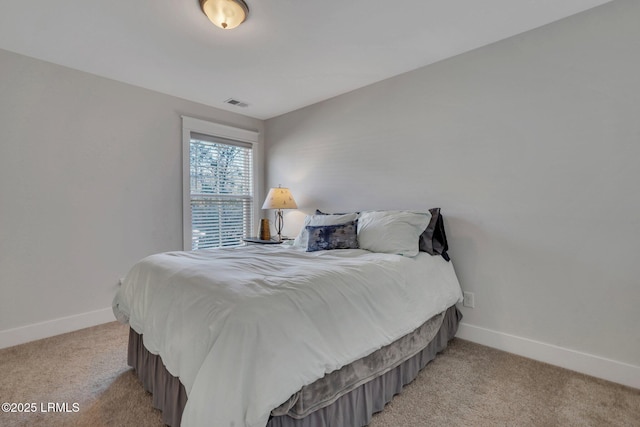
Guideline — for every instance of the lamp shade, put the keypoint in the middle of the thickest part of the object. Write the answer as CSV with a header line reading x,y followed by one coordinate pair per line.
x,y
226,14
279,198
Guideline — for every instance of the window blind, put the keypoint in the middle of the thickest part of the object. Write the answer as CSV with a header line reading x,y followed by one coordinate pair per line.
x,y
221,191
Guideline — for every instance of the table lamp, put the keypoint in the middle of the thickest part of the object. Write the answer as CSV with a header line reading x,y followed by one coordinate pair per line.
x,y
279,198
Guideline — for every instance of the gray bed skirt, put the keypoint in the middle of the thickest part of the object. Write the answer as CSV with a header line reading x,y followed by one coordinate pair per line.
x,y
354,408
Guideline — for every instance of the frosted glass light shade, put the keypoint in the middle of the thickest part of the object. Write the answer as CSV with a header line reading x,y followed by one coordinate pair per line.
x,y
226,14
279,198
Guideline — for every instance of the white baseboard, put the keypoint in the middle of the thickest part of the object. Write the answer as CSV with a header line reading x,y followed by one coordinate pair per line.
x,y
599,367
36,331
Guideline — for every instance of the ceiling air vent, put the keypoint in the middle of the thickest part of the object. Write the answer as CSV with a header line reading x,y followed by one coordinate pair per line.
x,y
236,103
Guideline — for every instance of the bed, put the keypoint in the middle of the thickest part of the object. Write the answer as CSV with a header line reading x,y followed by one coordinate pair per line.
x,y
290,335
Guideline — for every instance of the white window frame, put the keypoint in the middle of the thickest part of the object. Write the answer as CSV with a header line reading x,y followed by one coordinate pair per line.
x,y
190,124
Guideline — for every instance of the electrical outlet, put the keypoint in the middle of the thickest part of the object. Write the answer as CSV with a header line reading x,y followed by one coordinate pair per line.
x,y
469,299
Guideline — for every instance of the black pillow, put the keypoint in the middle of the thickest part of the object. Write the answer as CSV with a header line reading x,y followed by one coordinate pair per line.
x,y
433,240
319,212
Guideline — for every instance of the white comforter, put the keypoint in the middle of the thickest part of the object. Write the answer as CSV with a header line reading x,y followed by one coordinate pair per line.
x,y
245,328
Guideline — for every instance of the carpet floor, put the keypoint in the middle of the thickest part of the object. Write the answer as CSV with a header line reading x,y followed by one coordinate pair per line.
x,y
82,379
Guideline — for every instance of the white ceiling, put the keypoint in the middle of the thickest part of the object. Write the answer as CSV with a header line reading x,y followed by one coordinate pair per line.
x,y
288,54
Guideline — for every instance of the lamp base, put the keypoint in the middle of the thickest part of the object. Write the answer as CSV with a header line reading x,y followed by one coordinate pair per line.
x,y
279,222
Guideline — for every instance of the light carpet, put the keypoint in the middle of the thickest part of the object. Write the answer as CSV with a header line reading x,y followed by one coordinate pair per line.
x,y
467,385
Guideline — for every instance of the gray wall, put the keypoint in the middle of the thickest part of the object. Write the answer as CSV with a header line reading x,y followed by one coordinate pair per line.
x,y
530,146
90,182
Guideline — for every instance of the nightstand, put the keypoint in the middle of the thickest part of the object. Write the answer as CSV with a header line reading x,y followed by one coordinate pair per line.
x,y
256,241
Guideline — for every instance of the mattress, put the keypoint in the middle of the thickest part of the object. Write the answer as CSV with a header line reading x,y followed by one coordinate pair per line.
x,y
352,405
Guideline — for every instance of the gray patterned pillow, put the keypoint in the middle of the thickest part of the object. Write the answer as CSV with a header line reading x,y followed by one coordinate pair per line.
x,y
326,237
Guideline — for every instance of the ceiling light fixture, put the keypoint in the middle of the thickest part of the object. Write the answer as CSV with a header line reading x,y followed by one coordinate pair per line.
x,y
226,14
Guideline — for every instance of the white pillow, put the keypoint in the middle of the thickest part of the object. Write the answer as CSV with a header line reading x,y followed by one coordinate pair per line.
x,y
303,237
392,232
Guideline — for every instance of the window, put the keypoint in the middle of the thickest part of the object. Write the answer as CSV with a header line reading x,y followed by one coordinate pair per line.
x,y
219,192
